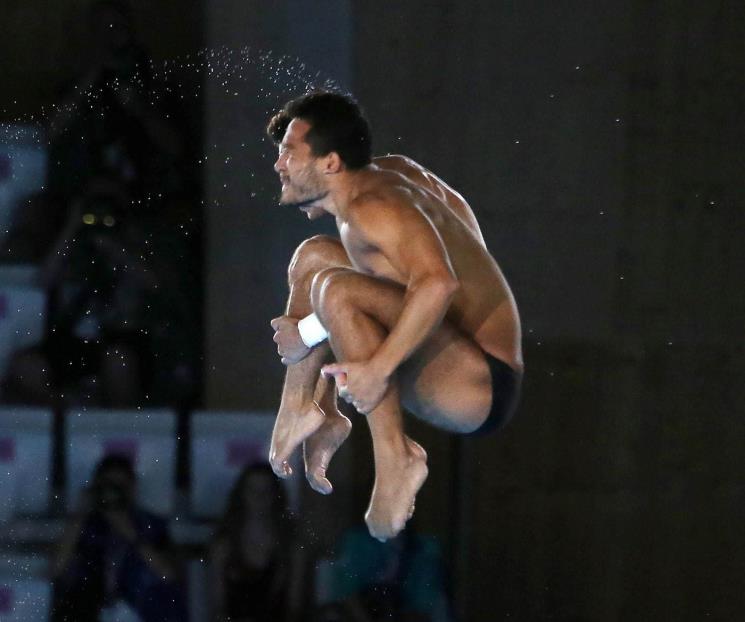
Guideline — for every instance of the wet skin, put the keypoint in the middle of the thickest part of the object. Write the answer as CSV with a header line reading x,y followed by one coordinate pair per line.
x,y
412,300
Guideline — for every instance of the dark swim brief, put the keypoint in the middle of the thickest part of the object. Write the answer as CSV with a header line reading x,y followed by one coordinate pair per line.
x,y
505,384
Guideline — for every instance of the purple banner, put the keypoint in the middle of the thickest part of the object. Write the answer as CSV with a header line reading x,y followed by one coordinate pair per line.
x,y
241,452
127,447
6,599
7,449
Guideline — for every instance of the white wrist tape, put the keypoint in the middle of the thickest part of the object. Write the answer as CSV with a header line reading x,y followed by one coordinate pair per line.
x,y
311,330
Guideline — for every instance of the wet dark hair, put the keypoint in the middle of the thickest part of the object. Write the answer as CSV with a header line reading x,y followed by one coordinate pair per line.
x,y
116,462
337,123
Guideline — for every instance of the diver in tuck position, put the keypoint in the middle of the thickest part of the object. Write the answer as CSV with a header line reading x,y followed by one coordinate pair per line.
x,y
417,313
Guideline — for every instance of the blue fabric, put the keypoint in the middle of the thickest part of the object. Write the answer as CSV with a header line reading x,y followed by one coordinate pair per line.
x,y
411,565
130,578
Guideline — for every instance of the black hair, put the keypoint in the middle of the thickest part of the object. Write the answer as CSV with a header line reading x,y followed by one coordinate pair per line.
x,y
236,508
122,7
230,527
337,123
116,462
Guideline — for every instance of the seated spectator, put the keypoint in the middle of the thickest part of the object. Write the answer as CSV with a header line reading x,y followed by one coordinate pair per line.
x,y
256,563
110,119
403,579
97,347
114,551
119,123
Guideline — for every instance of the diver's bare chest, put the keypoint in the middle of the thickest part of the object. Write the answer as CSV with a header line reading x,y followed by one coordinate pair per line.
x,y
368,260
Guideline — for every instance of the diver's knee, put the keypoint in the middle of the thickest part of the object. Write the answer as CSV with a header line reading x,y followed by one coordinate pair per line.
x,y
330,290
314,254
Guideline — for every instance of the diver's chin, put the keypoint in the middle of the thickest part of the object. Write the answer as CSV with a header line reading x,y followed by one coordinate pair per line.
x,y
313,211
306,205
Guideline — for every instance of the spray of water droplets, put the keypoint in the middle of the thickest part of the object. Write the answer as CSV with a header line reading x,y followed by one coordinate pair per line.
x,y
262,75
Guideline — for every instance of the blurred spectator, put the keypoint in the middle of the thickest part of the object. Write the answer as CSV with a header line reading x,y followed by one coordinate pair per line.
x,y
100,285
123,275
257,564
403,579
114,551
111,120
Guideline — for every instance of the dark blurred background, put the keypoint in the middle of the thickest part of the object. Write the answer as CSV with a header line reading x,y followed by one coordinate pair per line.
x,y
600,146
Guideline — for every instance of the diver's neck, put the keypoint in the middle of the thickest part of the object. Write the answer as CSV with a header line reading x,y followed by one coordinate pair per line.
x,y
344,187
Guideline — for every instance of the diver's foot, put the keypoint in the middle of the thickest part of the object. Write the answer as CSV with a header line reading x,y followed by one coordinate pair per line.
x,y
292,427
399,476
321,446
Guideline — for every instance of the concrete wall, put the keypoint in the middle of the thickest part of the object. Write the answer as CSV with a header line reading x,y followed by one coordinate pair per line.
x,y
618,219
517,108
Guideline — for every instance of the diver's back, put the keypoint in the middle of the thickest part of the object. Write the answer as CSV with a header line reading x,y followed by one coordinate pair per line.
x,y
425,178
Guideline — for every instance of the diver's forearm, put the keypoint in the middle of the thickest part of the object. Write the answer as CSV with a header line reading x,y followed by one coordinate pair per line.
x,y
423,312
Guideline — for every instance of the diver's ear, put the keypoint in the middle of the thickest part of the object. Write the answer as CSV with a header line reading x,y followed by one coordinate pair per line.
x,y
333,164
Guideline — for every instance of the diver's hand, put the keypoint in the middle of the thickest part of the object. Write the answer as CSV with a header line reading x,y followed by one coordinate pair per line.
x,y
290,346
362,384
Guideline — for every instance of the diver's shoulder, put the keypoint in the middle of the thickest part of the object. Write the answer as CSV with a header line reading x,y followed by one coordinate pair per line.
x,y
383,196
397,162
378,196
392,158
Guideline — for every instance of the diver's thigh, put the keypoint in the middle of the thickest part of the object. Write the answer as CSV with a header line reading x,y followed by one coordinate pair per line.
x,y
447,382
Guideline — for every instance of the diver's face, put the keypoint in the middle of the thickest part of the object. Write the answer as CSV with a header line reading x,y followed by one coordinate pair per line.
x,y
303,183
